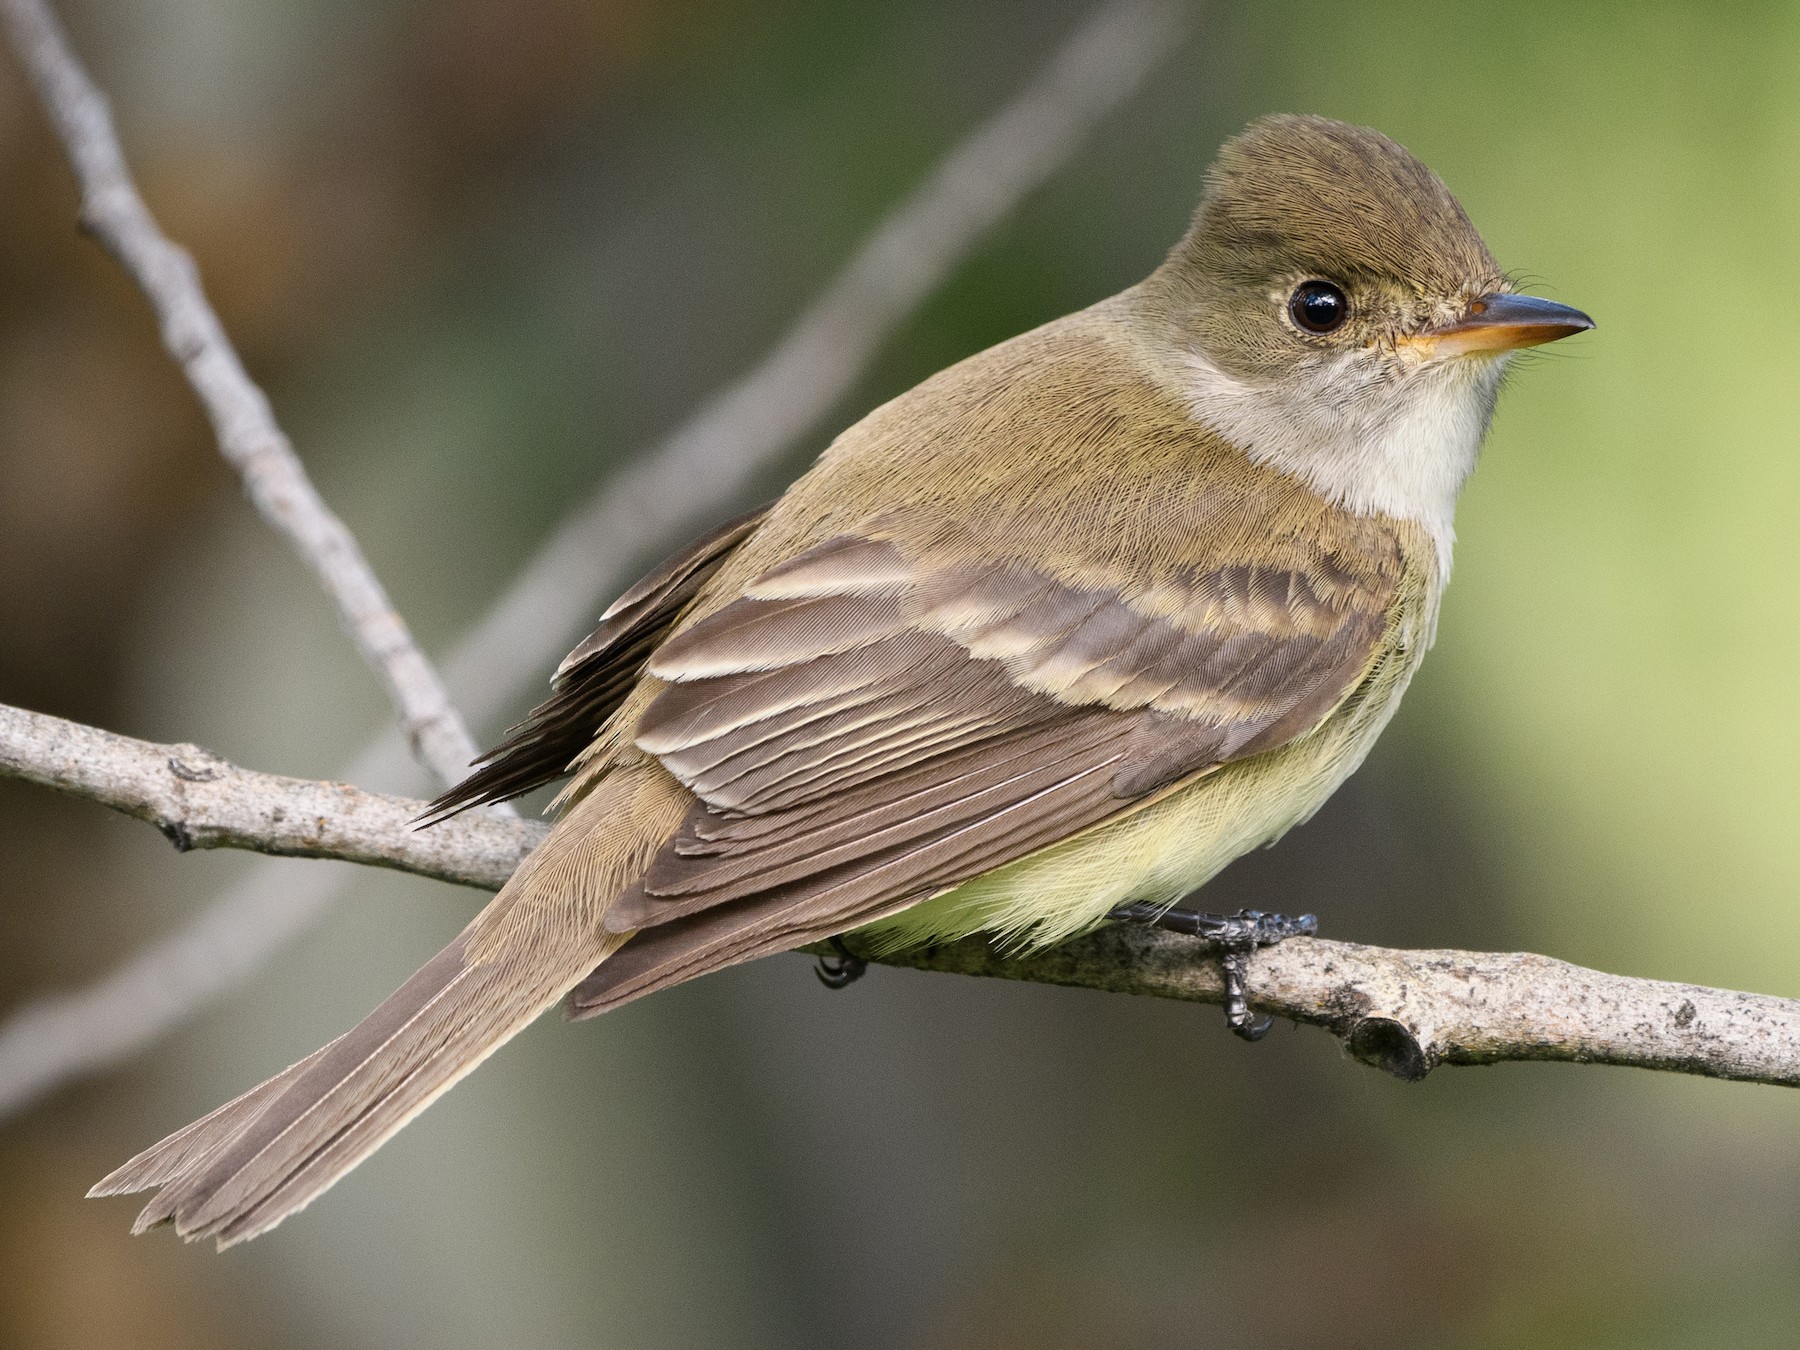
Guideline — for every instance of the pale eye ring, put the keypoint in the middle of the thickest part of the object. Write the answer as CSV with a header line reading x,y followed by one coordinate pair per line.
x,y
1318,307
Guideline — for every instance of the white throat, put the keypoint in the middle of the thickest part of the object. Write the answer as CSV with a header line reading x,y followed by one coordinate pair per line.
x,y
1362,437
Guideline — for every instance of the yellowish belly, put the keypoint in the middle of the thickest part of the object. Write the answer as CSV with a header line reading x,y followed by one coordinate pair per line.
x,y
1163,850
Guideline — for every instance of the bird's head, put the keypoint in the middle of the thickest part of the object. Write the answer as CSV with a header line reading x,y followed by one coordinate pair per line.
x,y
1339,315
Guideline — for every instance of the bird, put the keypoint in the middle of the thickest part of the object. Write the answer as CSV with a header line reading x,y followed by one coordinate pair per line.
x,y
1043,643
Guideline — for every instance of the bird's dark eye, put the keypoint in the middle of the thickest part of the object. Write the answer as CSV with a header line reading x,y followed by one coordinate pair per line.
x,y
1318,307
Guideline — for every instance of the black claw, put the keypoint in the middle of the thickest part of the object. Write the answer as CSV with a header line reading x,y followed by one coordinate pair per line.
x,y
1237,997
840,971
1237,935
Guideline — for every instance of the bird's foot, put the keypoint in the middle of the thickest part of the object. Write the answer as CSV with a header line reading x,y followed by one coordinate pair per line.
x,y
1236,936
842,970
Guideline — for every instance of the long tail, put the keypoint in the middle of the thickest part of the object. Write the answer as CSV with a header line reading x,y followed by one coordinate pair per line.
x,y
247,1166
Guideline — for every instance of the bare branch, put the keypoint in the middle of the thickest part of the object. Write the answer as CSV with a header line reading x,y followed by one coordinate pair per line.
x,y
698,469
1407,1012
62,1037
1402,1011
273,477
199,800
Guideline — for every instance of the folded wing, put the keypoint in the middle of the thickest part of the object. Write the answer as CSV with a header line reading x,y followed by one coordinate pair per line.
x,y
870,724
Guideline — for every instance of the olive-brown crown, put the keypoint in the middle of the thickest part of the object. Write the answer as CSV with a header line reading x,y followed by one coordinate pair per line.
x,y
1302,204
1299,193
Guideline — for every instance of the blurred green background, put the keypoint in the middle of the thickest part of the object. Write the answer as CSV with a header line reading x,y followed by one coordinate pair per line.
x,y
483,252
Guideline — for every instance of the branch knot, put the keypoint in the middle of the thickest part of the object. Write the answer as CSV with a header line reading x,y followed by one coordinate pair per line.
x,y
194,764
1390,1045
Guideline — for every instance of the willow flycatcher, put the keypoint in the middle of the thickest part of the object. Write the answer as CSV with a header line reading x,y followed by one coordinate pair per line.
x,y
1050,638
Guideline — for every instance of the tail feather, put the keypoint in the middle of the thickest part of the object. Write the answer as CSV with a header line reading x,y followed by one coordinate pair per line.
x,y
188,1147
267,1154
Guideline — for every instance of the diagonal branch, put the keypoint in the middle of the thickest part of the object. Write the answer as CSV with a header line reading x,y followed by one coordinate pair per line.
x,y
1402,1011
698,469
242,420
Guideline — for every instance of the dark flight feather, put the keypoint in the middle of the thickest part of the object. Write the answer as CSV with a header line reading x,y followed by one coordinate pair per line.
x,y
594,679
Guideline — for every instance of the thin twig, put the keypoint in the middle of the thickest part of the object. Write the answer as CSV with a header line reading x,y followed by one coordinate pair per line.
x,y
242,420
1402,1011
699,470
696,471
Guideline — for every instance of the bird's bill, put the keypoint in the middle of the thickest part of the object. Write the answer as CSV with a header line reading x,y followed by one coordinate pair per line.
x,y
1502,322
